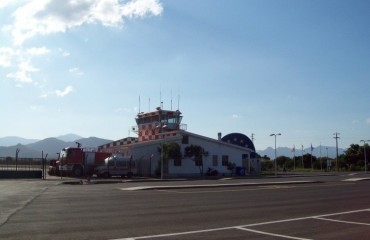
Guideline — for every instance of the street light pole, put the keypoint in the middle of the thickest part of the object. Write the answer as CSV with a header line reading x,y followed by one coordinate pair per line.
x,y
336,140
275,134
365,142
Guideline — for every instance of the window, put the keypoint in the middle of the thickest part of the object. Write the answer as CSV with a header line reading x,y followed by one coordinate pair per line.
x,y
245,156
185,139
111,163
225,160
215,160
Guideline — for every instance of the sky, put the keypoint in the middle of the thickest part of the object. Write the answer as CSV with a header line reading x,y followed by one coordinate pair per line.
x,y
299,68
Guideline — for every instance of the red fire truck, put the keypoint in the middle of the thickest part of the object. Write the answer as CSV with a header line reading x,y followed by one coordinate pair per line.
x,y
77,161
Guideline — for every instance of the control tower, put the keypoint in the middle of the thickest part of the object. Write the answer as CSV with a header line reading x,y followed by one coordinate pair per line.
x,y
153,125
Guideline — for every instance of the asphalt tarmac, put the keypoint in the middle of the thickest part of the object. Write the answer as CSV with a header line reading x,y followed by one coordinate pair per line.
x,y
288,207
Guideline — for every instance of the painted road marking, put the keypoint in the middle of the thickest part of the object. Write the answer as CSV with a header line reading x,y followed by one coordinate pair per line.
x,y
341,221
355,179
248,226
271,234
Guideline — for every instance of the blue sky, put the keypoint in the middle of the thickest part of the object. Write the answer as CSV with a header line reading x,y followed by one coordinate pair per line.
x,y
301,68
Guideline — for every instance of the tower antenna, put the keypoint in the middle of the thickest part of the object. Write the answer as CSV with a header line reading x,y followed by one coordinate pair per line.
x,y
160,96
139,103
171,99
178,99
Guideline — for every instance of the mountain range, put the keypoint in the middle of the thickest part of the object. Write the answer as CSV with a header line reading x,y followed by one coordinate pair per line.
x,y
285,151
34,148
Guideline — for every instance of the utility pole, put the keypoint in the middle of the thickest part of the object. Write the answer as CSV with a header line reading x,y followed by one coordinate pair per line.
x,y
336,141
253,137
365,143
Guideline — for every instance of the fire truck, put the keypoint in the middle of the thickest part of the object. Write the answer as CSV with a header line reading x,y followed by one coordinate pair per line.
x,y
77,161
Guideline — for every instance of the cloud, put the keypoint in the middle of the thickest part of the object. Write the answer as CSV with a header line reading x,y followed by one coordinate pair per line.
x,y
5,3
23,73
141,8
368,121
18,61
236,116
76,71
6,56
38,51
43,17
64,92
44,95
36,108
64,53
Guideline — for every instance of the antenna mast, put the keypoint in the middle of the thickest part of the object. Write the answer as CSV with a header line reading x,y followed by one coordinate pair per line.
x,y
178,99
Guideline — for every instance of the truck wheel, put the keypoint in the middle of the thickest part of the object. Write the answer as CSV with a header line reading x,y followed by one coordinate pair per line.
x,y
77,171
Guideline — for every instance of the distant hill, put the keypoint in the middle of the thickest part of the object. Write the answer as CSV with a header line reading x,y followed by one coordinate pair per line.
x,y
92,142
12,140
50,146
69,137
23,153
285,151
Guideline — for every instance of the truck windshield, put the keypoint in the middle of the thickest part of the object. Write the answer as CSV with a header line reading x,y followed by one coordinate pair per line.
x,y
63,154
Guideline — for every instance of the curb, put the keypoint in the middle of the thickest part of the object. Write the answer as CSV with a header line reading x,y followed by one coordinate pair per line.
x,y
214,185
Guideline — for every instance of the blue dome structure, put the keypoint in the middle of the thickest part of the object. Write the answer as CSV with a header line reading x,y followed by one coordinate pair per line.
x,y
240,140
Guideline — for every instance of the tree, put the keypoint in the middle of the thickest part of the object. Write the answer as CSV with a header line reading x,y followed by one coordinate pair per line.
x,y
196,152
267,164
352,156
171,150
284,161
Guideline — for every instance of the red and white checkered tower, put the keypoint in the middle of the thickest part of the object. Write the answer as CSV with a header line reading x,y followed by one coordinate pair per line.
x,y
154,125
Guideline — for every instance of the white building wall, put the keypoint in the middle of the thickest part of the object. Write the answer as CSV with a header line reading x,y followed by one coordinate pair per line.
x,y
213,147
148,157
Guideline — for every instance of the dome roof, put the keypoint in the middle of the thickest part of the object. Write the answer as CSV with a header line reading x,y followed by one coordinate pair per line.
x,y
240,140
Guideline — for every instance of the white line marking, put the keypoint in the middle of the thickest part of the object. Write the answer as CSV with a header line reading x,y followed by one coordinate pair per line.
x,y
305,218
246,227
271,234
341,221
354,179
177,234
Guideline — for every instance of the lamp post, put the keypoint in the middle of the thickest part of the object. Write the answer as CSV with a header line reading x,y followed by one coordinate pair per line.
x,y
327,159
365,142
275,134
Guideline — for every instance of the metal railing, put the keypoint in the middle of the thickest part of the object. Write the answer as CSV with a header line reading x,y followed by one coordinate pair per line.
x,y
21,164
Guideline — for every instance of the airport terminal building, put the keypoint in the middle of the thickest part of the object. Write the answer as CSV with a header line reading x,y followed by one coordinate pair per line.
x,y
232,154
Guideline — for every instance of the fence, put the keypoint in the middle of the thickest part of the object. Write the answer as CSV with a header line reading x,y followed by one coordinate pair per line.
x,y
22,167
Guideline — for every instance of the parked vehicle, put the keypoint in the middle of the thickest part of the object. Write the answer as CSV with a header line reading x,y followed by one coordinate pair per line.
x,y
77,162
117,165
